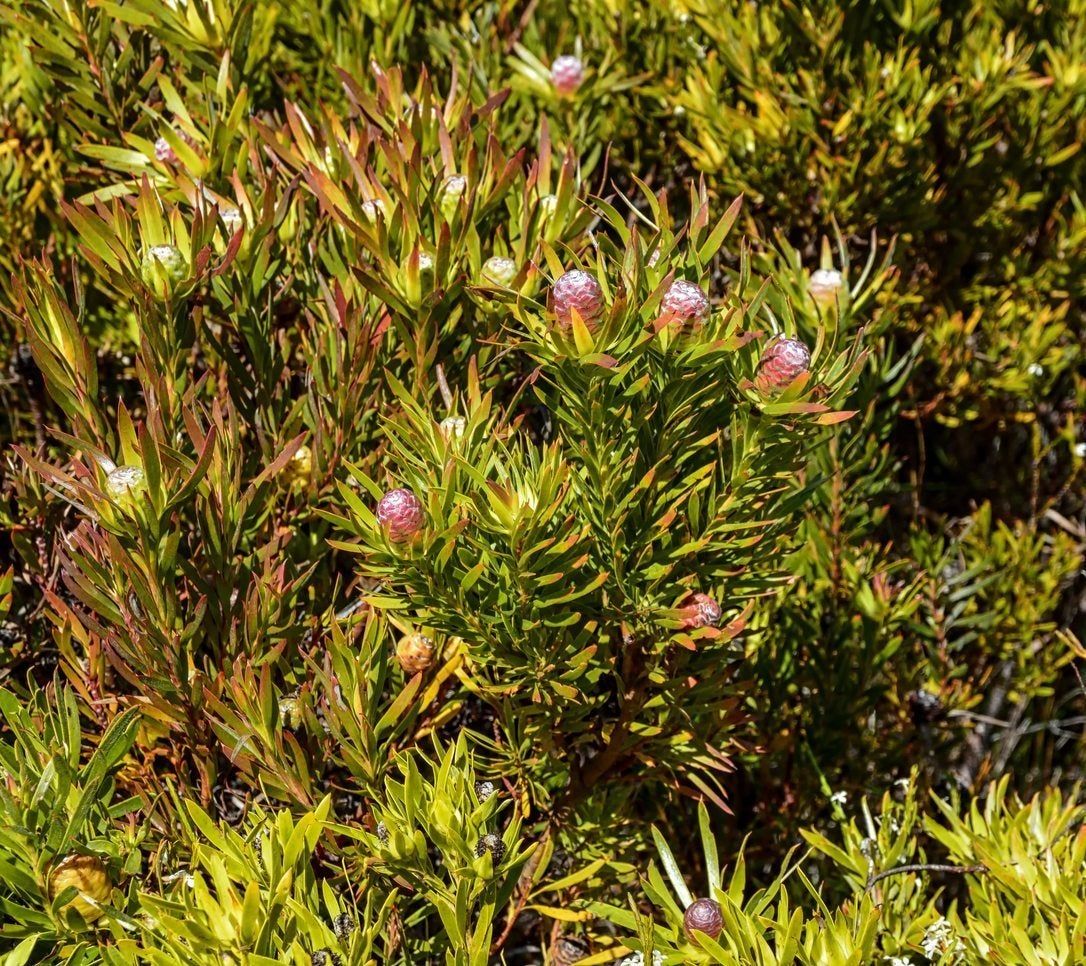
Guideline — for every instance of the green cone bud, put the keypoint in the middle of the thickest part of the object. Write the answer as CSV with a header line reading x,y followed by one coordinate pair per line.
x,y
163,268
499,271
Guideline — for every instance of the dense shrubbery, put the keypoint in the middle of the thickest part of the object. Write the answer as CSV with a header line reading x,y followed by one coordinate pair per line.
x,y
373,590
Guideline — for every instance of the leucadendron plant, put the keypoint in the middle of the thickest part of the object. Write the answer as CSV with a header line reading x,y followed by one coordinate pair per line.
x,y
430,216
254,895
69,841
896,905
601,576
410,449
455,842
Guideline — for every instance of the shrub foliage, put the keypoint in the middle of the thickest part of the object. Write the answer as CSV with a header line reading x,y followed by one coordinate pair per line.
x,y
459,511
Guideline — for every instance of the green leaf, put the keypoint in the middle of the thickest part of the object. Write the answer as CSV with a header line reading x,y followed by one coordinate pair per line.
x,y
671,867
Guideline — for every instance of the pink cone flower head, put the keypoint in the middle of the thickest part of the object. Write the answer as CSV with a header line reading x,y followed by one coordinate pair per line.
x,y
577,290
703,915
685,302
400,514
567,74
781,364
700,610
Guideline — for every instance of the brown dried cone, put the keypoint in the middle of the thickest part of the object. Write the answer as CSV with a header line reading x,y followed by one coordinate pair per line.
x,y
400,515
490,843
925,708
568,950
577,290
415,652
343,925
781,364
700,610
484,789
703,915
394,931
89,875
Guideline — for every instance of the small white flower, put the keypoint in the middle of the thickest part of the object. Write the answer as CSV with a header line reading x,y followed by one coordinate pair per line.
x,y
374,208
164,152
824,284
1036,369
867,846
898,961
232,219
452,427
455,185
939,940
1080,449
839,797
902,783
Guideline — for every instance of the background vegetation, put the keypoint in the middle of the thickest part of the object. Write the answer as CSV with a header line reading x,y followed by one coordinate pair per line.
x,y
662,626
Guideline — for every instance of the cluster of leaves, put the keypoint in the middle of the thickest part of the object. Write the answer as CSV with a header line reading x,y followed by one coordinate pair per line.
x,y
259,269
993,862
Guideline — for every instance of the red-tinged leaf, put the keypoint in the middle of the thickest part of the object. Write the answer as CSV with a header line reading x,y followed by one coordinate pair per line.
x,y
794,409
685,640
737,341
400,705
275,465
231,252
709,792
712,244
602,359
198,471
832,419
